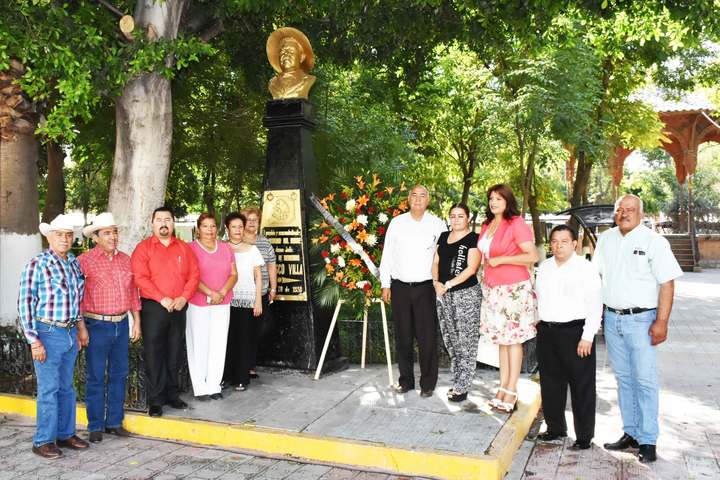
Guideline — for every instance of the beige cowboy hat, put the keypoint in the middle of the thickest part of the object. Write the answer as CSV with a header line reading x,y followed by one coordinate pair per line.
x,y
275,41
104,220
61,222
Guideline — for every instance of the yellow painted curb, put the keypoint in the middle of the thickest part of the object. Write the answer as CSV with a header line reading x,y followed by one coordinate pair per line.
x,y
426,463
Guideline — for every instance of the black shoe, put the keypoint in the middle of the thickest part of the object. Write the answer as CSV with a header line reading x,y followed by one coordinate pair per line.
x,y
550,436
625,442
74,442
177,403
578,445
401,389
202,398
457,397
48,450
117,431
95,437
427,393
216,396
155,411
647,454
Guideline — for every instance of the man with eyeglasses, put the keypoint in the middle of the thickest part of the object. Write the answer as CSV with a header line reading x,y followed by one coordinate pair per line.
x,y
638,271
570,311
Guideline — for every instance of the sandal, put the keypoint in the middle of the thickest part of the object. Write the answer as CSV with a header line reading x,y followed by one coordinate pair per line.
x,y
507,407
494,402
450,392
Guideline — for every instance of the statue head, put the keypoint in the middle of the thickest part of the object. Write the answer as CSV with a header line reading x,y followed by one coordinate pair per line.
x,y
289,49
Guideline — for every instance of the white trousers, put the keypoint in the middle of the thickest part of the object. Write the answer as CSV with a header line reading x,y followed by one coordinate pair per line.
x,y
206,336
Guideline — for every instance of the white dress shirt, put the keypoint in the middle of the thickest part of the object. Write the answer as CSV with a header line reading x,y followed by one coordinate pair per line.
x,y
633,266
409,248
570,291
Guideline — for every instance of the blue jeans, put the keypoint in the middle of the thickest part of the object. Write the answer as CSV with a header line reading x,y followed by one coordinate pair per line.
x,y
633,359
55,391
106,352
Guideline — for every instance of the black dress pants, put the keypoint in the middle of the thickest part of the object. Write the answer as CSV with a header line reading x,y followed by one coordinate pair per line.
x,y
561,366
163,337
241,346
414,317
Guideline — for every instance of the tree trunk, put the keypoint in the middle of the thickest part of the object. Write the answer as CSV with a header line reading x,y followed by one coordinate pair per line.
x,y
468,176
55,196
19,236
535,214
144,133
582,178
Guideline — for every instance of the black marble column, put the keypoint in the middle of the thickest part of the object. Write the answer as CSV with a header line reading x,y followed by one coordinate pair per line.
x,y
296,331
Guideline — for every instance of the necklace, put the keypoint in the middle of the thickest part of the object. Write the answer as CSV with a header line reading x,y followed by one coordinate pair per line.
x,y
236,244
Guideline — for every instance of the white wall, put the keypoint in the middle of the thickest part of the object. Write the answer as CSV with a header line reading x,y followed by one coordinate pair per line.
x,y
15,251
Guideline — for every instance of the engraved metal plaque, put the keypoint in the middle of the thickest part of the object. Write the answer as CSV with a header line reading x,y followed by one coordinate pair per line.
x,y
282,225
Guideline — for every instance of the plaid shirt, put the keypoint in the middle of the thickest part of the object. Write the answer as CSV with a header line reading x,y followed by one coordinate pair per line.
x,y
51,288
109,285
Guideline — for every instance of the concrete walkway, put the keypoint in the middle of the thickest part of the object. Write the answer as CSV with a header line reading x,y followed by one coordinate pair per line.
x,y
689,368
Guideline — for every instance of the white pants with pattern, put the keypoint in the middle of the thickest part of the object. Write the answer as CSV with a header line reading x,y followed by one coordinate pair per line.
x,y
206,337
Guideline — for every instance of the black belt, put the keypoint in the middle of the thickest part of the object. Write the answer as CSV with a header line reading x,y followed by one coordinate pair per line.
x,y
628,311
414,284
572,323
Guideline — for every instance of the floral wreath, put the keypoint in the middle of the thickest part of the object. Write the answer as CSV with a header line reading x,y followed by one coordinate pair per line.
x,y
364,209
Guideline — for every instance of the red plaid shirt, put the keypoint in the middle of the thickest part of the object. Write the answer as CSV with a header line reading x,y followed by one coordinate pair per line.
x,y
109,285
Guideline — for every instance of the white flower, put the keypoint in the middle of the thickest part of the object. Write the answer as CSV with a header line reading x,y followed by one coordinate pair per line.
x,y
327,260
348,227
382,218
371,240
362,219
361,283
335,247
350,205
341,262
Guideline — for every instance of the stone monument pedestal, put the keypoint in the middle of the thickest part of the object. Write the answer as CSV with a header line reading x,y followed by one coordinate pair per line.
x,y
296,329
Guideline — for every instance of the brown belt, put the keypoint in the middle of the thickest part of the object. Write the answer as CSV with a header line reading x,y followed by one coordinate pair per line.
x,y
106,318
55,323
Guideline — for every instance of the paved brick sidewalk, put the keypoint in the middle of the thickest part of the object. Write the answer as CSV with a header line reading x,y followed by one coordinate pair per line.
x,y
139,459
689,368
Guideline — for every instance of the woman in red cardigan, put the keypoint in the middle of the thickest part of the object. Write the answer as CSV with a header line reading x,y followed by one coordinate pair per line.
x,y
508,312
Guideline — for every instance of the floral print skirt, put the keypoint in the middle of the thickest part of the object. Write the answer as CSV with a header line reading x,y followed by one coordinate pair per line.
x,y
509,312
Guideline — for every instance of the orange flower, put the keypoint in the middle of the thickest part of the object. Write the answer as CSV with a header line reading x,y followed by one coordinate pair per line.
x,y
323,202
324,225
362,236
339,276
322,239
396,212
360,182
330,196
355,262
403,187
330,269
403,205
351,286
362,201
355,225
376,181
389,190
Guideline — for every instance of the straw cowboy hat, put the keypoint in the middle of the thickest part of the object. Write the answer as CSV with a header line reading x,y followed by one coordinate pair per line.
x,y
61,222
274,43
104,220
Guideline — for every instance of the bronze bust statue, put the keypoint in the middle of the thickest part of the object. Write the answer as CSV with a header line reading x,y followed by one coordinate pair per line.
x,y
290,54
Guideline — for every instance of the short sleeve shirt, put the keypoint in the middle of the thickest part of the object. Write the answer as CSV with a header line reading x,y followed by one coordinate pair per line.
x,y
506,243
244,290
633,266
453,258
215,269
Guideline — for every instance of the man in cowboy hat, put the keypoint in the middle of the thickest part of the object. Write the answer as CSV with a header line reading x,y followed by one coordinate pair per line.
x,y
290,54
51,288
110,293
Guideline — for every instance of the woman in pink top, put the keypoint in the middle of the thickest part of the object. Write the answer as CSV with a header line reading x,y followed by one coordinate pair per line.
x,y
508,312
208,315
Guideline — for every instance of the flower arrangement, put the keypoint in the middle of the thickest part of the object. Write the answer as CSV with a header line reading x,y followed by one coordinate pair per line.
x,y
364,209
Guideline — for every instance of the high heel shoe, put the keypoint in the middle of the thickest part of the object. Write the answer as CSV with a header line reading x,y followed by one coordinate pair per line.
x,y
495,402
457,397
507,407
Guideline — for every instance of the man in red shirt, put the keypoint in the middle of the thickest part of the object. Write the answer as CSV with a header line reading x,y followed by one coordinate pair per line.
x,y
167,274
110,293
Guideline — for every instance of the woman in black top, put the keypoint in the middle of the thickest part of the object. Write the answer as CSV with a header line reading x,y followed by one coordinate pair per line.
x,y
458,298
